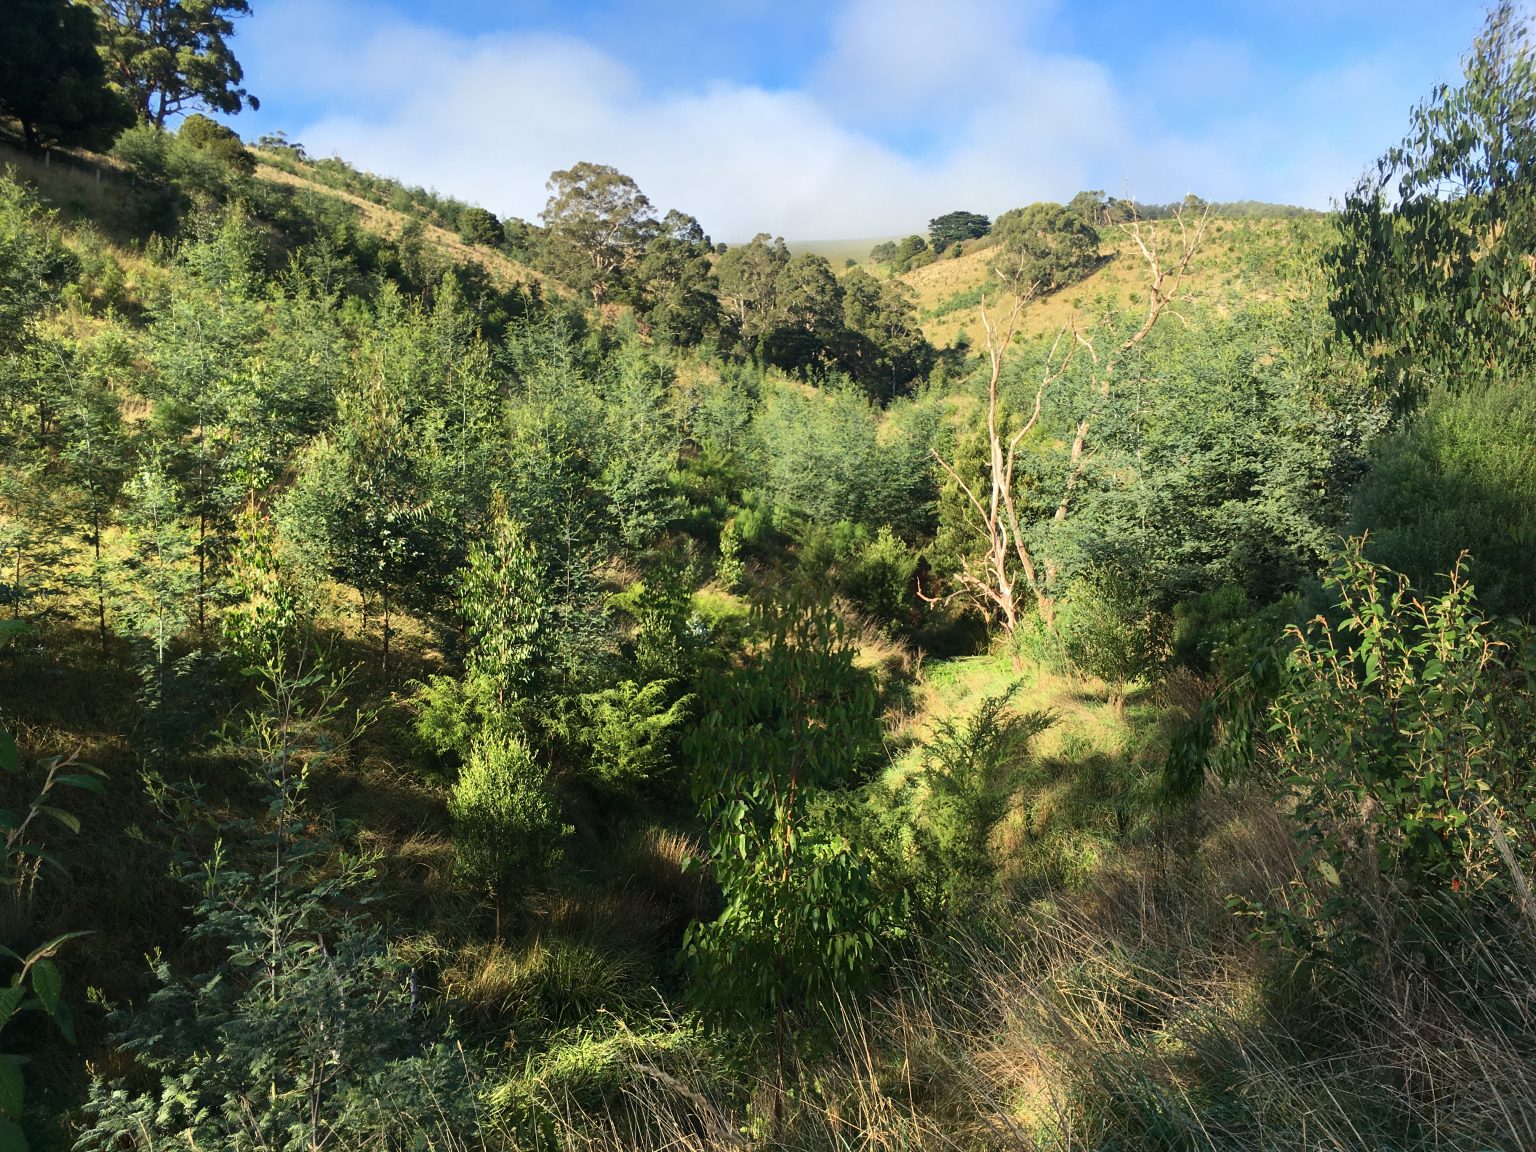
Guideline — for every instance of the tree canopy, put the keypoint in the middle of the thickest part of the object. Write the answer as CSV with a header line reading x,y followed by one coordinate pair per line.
x,y
599,224
52,79
167,56
953,227
1044,247
1432,273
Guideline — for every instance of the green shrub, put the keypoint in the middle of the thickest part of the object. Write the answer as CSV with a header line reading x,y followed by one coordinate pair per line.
x,y
505,822
1110,630
881,578
972,769
479,226
1459,476
1044,247
218,141
1409,730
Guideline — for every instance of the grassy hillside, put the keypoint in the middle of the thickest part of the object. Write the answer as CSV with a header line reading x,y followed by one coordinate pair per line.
x,y
838,252
1240,258
390,222
91,189
523,725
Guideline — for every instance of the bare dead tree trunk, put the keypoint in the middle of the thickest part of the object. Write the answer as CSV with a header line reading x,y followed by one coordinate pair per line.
x,y
993,581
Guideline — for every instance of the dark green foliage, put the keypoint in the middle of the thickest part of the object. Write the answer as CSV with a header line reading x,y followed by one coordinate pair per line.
x,y
803,915
272,431
913,252
883,347
479,226
1431,274
748,274
369,504
1111,631
302,1026
1238,649
807,317
1091,207
972,769
881,578
1044,247
954,227
32,982
1459,476
169,175
679,296
212,137
794,313
52,79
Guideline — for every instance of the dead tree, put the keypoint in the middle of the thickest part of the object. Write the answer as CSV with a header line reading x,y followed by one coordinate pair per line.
x,y
1008,577
993,581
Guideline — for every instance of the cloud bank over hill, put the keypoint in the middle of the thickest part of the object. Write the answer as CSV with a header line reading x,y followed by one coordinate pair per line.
x,y
894,122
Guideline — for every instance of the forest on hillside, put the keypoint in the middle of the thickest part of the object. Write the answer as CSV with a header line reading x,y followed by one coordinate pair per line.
x,y
1062,682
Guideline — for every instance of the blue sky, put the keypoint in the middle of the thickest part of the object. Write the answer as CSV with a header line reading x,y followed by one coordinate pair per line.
x,y
853,118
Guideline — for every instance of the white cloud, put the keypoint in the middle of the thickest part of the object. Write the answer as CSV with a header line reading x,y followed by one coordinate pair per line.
x,y
488,118
894,60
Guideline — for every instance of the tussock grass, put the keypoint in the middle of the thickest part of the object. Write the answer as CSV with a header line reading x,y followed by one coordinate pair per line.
x,y
82,186
1138,1013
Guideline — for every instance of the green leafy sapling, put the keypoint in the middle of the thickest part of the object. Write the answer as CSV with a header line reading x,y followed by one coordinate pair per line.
x,y
34,982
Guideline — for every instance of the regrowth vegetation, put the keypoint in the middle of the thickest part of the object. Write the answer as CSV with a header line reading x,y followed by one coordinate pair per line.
x,y
471,683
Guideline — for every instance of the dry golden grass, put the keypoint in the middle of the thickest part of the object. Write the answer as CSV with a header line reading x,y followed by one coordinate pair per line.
x,y
1121,279
81,185
1137,1013
504,271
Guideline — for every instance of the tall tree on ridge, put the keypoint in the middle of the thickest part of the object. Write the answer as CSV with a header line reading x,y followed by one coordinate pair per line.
x,y
170,55
52,78
599,225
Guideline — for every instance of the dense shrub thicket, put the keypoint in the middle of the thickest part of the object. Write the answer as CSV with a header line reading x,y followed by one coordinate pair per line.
x,y
683,708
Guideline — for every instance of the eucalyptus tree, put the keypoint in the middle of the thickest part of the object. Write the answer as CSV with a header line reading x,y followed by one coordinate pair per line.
x,y
678,292
1432,275
1044,247
167,56
747,274
597,225
1010,570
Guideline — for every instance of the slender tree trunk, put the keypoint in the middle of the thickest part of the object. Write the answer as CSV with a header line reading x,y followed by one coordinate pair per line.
x,y
101,584
202,570
385,610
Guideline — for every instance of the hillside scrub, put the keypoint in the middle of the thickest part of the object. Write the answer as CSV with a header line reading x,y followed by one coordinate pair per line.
x,y
474,684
